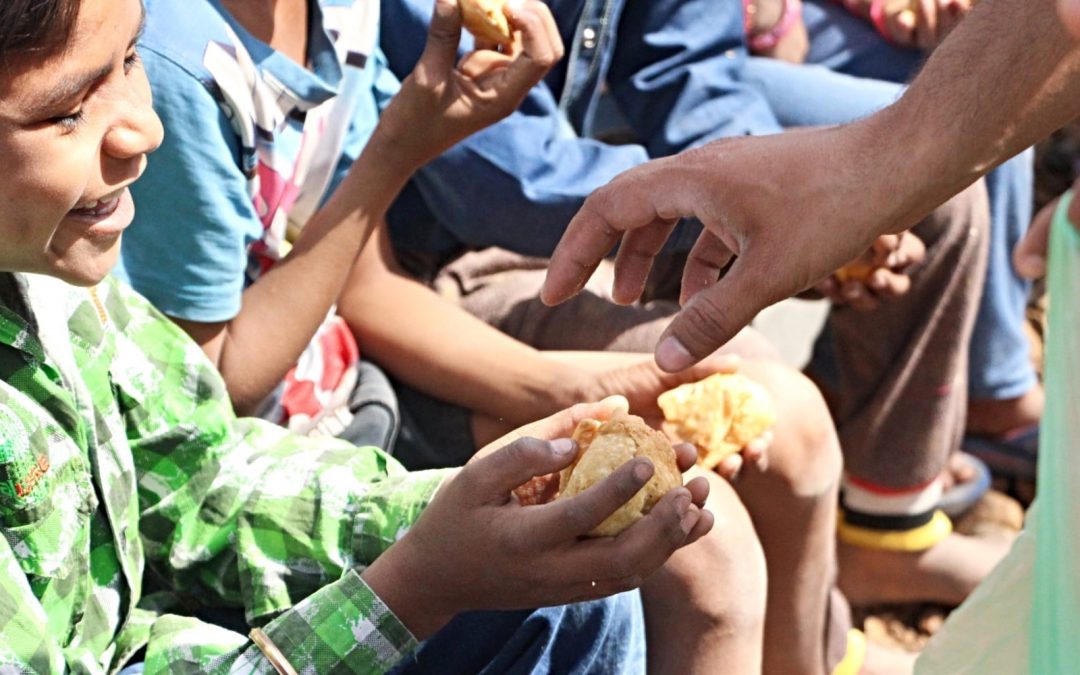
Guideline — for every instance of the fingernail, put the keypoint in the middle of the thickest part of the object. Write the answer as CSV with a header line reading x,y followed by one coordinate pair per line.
x,y
682,505
643,471
672,356
689,520
562,446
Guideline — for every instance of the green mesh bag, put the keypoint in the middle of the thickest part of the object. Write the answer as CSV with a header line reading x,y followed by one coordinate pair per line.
x,y
1025,618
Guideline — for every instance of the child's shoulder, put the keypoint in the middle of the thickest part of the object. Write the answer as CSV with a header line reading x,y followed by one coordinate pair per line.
x,y
182,32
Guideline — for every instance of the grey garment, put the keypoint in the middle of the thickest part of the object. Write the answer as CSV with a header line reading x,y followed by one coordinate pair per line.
x,y
420,431
433,433
900,403
374,408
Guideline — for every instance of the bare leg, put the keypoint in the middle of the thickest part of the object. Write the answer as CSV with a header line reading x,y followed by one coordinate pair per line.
x,y
947,572
793,506
704,609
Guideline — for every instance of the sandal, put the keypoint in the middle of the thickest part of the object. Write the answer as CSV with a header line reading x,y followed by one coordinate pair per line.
x,y
855,656
959,498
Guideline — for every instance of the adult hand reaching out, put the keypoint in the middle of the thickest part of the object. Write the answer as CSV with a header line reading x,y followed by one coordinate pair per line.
x,y
789,214
796,206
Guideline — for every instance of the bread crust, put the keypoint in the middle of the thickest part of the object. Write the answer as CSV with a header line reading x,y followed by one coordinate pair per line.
x,y
720,415
485,20
605,446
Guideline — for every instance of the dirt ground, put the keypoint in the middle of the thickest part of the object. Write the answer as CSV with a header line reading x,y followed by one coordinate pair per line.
x,y
908,627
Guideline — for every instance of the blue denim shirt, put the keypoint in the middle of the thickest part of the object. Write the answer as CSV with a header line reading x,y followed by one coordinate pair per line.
x,y
673,67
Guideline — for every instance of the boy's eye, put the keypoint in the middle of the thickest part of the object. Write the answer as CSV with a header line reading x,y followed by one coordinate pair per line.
x,y
69,122
130,61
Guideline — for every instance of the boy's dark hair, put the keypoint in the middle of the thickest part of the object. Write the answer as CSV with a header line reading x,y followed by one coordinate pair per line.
x,y
35,27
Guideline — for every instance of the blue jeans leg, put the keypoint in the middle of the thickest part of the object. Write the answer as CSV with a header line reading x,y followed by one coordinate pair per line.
x,y
846,44
599,637
1000,366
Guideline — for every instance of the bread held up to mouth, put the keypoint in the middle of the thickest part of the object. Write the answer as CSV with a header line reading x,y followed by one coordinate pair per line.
x,y
486,20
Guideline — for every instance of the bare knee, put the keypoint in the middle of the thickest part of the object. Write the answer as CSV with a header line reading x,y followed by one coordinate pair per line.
x,y
718,584
805,454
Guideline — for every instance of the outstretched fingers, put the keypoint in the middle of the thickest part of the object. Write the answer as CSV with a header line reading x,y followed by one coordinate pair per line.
x,y
624,205
713,316
587,240
706,260
634,260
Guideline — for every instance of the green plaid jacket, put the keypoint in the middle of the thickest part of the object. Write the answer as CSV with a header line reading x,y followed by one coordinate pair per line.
x,y
120,455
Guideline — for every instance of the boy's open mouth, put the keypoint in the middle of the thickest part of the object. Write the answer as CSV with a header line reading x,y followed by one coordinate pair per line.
x,y
99,209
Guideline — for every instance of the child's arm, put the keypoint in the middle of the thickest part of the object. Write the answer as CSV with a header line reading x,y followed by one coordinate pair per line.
x,y
438,105
446,352
443,350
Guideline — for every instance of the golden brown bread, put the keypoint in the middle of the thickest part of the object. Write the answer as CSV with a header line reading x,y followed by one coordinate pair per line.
x,y
857,271
485,20
720,414
605,446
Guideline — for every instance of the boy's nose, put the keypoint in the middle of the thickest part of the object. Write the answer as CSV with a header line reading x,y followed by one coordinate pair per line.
x,y
137,133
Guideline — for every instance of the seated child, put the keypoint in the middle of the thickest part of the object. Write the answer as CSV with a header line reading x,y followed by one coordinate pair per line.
x,y
121,454
239,105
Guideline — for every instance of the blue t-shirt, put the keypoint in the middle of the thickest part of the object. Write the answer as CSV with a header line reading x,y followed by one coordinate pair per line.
x,y
211,206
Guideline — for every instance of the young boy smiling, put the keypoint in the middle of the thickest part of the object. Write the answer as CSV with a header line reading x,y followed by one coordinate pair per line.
x,y
120,454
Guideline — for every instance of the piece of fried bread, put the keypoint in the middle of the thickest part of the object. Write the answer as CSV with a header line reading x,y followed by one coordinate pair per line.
x,y
855,271
720,415
485,20
605,446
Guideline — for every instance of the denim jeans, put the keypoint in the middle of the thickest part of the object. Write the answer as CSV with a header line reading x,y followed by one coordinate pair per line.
x,y
846,51
814,95
599,637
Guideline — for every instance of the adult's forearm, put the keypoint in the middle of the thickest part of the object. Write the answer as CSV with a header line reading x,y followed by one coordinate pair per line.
x,y
1007,77
283,310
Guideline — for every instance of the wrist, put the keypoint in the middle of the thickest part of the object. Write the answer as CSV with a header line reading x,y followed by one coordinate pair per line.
x,y
394,147
888,145
397,578
566,386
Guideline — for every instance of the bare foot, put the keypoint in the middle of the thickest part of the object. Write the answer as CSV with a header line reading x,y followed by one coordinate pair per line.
x,y
882,660
956,472
945,573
